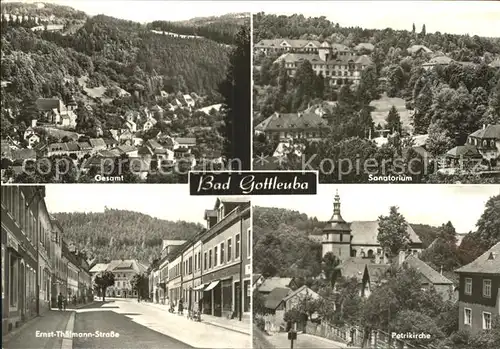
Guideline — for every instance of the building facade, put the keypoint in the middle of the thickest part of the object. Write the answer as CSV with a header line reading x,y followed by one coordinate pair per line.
x,y
19,254
211,272
226,260
479,291
34,257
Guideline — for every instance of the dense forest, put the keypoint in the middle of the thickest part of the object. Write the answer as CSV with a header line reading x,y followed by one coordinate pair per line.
x,y
447,103
282,243
220,29
115,234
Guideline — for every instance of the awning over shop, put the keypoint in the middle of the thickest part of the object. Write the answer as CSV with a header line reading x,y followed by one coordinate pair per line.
x,y
199,287
212,285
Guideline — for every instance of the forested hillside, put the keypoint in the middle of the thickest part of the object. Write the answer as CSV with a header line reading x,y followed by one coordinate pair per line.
x,y
115,234
221,29
114,55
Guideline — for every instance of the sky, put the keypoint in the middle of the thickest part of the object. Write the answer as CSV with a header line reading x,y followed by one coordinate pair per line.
x,y
456,17
170,202
424,204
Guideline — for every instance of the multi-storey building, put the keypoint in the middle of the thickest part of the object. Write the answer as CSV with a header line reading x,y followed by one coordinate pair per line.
x,y
19,254
124,271
213,268
479,291
226,259
59,276
293,126
45,257
269,46
72,273
175,277
341,68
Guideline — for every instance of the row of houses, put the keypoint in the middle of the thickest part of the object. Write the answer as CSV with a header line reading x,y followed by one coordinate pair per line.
x,y
212,271
37,263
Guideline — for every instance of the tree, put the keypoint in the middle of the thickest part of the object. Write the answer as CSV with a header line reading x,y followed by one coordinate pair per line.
x,y
423,32
413,29
103,280
393,232
409,321
393,120
488,225
329,263
140,283
439,141
236,92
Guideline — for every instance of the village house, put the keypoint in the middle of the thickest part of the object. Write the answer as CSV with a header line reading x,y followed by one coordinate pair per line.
x,y
189,101
149,124
418,49
481,144
53,111
124,149
97,144
479,291
287,126
442,61
271,283
184,142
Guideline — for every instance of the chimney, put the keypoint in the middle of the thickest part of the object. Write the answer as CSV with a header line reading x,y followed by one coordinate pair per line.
x,y
484,126
33,122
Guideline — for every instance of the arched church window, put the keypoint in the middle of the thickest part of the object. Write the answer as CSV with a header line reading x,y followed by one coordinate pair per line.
x,y
370,253
353,253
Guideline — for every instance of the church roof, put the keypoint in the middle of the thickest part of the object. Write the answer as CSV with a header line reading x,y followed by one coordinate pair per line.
x,y
365,233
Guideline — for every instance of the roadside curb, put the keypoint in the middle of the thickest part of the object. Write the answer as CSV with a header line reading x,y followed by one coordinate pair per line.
x,y
248,333
226,327
67,343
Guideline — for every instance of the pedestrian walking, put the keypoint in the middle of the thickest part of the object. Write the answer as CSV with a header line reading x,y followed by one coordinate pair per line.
x,y
60,301
181,306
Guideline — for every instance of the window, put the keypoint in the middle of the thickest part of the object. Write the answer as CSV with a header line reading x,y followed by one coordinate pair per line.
x,y
237,246
487,288
249,242
205,261
222,253
199,260
209,259
468,286
216,255
190,265
13,280
486,321
467,316
229,256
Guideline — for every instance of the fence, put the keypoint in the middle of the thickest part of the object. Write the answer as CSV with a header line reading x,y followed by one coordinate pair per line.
x,y
376,339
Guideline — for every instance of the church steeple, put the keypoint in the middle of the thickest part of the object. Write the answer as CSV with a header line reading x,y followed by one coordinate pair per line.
x,y
337,217
337,233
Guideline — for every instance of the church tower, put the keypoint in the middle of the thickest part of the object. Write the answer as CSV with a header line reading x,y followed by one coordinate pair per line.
x,y
337,234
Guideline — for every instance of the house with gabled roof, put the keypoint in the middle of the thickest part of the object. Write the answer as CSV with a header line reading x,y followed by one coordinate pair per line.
x,y
286,126
479,291
97,144
418,49
271,283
